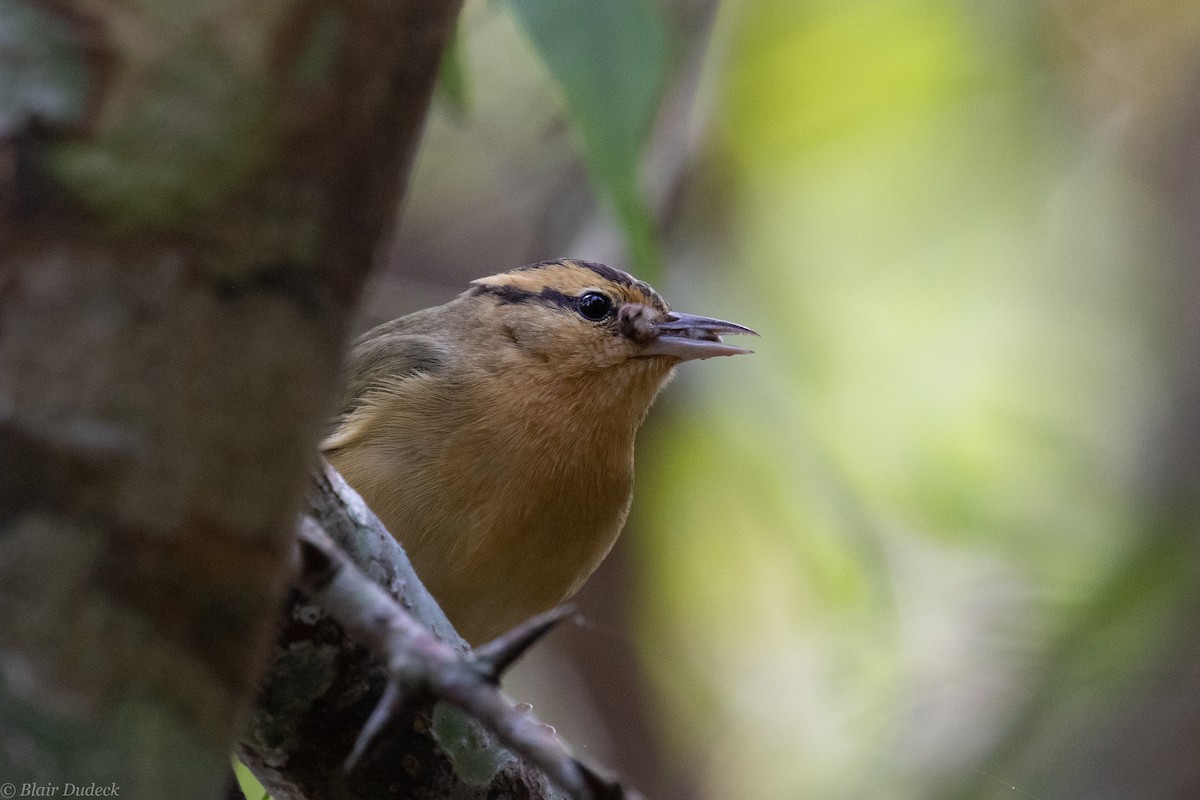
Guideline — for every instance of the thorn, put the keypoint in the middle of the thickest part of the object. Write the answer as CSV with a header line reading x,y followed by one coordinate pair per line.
x,y
602,787
494,658
384,711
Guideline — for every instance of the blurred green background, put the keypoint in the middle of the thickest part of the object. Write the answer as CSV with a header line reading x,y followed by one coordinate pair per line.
x,y
937,537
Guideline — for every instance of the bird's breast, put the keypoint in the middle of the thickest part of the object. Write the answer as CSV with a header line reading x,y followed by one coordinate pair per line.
x,y
544,513
504,514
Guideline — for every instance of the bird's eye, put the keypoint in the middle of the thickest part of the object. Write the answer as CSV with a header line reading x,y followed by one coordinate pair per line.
x,y
594,306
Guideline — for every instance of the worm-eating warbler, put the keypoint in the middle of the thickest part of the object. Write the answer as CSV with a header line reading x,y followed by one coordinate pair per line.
x,y
493,435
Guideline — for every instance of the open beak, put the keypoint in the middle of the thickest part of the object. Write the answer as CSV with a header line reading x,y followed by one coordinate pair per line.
x,y
688,337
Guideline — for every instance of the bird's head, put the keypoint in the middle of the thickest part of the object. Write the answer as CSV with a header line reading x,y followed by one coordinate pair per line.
x,y
583,318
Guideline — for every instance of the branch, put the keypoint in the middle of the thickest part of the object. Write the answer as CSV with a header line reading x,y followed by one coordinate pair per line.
x,y
420,665
413,658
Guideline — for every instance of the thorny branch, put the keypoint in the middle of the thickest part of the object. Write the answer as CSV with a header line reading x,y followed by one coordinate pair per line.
x,y
420,666
423,666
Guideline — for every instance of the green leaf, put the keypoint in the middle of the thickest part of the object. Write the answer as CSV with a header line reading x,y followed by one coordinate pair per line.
x,y
452,86
641,235
610,60
251,788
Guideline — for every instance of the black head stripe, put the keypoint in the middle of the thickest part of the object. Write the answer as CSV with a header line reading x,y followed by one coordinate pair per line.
x,y
604,271
610,275
511,294
554,262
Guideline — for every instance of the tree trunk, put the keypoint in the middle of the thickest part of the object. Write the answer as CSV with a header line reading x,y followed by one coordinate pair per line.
x,y
190,199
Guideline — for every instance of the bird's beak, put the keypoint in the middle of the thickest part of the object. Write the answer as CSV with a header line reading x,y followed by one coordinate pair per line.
x,y
689,337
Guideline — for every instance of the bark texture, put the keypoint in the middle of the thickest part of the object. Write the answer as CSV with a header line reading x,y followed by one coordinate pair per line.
x,y
180,252
323,687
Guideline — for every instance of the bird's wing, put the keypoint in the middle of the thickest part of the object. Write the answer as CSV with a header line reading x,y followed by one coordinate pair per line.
x,y
383,358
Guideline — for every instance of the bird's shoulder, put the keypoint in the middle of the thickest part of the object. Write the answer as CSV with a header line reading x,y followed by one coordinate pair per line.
x,y
394,352
384,360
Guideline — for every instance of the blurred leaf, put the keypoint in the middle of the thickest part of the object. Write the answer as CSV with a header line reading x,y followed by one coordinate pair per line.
x,y
907,528
641,236
452,82
42,73
610,59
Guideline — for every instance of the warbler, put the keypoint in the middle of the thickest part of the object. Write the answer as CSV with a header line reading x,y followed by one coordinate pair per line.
x,y
494,435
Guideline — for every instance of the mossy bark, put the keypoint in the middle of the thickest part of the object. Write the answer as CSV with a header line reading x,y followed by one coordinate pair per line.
x,y
191,196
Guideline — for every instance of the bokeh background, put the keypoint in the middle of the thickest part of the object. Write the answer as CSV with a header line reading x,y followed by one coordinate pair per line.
x,y
937,537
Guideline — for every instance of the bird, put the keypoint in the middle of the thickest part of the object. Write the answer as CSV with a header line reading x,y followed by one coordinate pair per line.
x,y
494,435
